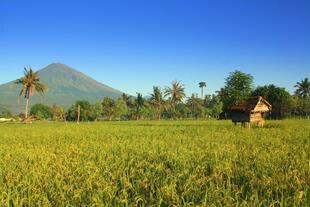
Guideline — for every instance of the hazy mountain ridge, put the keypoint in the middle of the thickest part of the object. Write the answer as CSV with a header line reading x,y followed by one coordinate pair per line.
x,y
65,86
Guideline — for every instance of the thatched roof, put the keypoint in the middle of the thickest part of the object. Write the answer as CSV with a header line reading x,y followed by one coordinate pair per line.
x,y
251,104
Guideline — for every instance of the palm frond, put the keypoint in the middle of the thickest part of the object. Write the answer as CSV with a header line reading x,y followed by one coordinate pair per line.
x,y
30,82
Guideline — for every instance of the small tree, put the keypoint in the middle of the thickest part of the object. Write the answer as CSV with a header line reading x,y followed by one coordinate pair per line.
x,y
238,87
108,107
300,106
95,111
195,106
303,88
85,111
157,101
120,108
139,105
216,106
149,111
175,94
59,114
5,114
41,111
279,98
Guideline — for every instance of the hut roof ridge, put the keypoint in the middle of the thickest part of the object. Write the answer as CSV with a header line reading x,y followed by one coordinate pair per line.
x,y
250,104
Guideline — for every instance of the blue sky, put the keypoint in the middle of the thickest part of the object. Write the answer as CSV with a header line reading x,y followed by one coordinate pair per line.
x,y
132,45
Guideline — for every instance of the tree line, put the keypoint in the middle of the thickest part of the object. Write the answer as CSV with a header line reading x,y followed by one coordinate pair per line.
x,y
171,102
161,104
239,87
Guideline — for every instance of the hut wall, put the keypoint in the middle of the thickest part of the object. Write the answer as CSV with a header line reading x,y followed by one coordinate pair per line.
x,y
239,116
256,117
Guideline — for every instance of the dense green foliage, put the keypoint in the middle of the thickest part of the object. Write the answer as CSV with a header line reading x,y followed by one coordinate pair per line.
x,y
303,88
169,103
120,109
278,97
108,106
157,101
300,106
88,112
238,87
59,114
42,111
155,163
5,114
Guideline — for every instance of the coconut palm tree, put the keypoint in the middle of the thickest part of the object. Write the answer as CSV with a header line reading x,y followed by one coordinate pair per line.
x,y
125,98
202,85
157,101
139,104
30,83
303,88
59,113
195,104
176,93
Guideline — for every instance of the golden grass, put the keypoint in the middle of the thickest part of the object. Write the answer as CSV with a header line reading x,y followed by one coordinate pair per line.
x,y
155,163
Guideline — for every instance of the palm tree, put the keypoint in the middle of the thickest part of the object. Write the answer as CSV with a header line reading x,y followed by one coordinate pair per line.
x,y
139,103
195,105
58,113
125,98
30,82
157,101
202,85
176,93
303,88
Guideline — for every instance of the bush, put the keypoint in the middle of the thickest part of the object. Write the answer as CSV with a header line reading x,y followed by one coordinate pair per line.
x,y
6,114
42,111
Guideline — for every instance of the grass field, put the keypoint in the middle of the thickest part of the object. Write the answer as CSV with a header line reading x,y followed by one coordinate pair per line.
x,y
151,163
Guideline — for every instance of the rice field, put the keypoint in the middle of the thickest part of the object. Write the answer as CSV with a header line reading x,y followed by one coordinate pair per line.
x,y
155,163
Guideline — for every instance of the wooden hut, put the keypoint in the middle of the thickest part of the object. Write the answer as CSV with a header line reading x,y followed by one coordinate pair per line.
x,y
251,111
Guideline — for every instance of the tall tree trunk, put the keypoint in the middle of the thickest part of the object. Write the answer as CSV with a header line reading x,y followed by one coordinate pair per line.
x,y
138,113
79,113
158,113
201,92
27,108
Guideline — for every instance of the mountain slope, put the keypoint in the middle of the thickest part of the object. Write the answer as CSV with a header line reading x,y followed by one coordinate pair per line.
x,y
65,86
